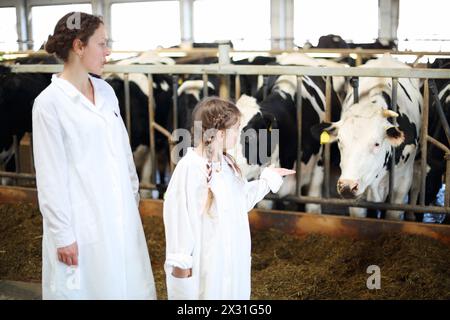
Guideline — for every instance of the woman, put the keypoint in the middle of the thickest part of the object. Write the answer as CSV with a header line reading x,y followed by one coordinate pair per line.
x,y
93,244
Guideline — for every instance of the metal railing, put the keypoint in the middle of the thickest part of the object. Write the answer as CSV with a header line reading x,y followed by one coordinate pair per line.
x,y
226,69
357,53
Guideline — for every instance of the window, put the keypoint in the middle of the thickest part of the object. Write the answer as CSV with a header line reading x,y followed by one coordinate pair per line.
x,y
44,19
8,29
145,25
245,23
353,20
424,26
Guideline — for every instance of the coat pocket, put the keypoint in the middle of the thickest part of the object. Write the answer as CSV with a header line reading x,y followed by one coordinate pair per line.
x,y
86,229
180,288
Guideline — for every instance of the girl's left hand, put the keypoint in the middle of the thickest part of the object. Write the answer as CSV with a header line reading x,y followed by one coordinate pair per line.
x,y
282,171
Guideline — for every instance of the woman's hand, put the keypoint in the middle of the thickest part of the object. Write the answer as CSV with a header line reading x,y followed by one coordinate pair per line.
x,y
69,254
282,171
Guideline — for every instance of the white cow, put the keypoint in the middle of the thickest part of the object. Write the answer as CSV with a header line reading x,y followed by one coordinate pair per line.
x,y
366,135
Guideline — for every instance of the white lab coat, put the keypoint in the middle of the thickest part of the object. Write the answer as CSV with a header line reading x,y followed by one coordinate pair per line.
x,y
216,245
88,193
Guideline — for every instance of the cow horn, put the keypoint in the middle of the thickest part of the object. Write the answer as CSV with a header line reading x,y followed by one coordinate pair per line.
x,y
389,113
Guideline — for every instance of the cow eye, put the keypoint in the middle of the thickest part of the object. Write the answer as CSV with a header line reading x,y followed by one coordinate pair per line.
x,y
377,144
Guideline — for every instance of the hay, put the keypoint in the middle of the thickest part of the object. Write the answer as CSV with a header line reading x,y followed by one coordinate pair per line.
x,y
283,266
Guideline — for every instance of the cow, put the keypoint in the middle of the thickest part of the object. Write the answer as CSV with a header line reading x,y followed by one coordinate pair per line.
x,y
331,41
17,94
190,92
251,84
278,111
368,132
435,156
334,41
378,44
139,91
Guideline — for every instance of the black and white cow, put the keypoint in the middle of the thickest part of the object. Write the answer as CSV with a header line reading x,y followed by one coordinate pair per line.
x,y
366,136
139,91
334,41
278,111
17,94
435,156
190,91
251,84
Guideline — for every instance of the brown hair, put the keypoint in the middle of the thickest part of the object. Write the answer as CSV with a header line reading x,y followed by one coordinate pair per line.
x,y
215,114
61,42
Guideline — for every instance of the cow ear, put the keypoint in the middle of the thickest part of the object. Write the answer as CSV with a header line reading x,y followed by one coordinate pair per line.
x,y
325,132
395,136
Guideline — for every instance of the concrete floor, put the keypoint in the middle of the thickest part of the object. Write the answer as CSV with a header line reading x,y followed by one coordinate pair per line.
x,y
17,290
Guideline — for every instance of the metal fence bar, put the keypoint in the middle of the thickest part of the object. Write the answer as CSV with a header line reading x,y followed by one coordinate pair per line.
x,y
393,106
255,70
14,175
447,181
146,186
423,142
365,204
237,87
298,188
33,169
16,156
151,130
170,141
224,80
214,51
265,86
438,144
438,107
175,101
126,86
327,146
205,85
354,82
175,81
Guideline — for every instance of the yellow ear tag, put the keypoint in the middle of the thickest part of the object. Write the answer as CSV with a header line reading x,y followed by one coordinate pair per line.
x,y
324,137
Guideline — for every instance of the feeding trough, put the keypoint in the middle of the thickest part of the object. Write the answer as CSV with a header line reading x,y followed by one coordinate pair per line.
x,y
295,223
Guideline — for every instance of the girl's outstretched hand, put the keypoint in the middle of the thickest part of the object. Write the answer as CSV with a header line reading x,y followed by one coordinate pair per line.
x,y
282,171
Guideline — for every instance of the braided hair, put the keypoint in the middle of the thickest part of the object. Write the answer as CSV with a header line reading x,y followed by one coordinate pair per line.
x,y
215,114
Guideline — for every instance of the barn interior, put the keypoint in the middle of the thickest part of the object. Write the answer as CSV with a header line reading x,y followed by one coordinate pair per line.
x,y
318,237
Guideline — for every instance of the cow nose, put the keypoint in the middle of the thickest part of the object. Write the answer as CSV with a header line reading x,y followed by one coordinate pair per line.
x,y
347,188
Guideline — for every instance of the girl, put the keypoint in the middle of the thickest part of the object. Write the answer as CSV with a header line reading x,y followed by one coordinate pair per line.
x,y
93,245
205,211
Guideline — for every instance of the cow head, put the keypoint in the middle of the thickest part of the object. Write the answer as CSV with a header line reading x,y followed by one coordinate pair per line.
x,y
257,144
365,139
189,94
256,138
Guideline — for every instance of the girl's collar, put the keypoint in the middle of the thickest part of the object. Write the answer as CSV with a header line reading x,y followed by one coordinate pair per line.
x,y
194,153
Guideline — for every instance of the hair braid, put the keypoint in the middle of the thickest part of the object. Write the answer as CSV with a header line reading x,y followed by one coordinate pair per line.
x,y
209,170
